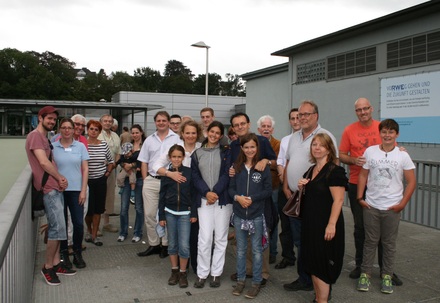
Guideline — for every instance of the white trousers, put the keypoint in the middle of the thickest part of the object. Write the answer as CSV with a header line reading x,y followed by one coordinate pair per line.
x,y
214,223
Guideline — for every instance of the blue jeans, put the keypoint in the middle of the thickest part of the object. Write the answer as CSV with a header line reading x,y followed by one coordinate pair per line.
x,y
54,208
273,242
179,229
138,206
257,250
76,212
295,225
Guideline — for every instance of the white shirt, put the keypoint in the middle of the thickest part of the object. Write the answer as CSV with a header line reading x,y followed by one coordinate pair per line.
x,y
164,160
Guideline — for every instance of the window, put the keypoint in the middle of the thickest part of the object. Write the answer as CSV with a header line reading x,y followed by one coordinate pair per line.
x,y
352,63
310,72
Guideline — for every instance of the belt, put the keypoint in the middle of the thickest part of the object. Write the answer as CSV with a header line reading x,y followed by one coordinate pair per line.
x,y
156,177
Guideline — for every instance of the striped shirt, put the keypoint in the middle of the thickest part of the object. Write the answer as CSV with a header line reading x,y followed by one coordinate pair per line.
x,y
100,157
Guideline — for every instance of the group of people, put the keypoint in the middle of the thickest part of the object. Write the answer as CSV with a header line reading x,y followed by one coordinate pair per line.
x,y
189,184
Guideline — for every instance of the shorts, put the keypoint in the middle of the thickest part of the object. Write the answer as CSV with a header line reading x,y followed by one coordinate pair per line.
x,y
54,208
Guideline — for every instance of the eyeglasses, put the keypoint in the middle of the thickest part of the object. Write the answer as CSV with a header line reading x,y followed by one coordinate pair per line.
x,y
66,128
242,124
363,109
79,124
305,115
94,129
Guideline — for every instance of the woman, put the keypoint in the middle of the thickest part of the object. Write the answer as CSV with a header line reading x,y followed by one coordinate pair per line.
x,y
210,173
190,132
322,239
138,137
249,189
100,167
177,211
71,157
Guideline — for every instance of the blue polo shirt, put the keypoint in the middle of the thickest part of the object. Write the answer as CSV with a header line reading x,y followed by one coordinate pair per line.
x,y
69,162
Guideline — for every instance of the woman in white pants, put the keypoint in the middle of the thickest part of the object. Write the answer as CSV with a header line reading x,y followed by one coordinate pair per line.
x,y
210,166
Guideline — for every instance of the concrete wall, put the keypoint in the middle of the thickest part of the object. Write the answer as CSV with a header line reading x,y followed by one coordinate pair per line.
x,y
180,104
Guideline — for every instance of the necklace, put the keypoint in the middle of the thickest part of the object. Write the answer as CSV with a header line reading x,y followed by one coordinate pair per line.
x,y
386,151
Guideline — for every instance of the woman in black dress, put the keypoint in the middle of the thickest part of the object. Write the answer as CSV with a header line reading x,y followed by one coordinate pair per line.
x,y
323,234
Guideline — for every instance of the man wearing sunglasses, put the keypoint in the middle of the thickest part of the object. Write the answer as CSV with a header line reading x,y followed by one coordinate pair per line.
x,y
39,153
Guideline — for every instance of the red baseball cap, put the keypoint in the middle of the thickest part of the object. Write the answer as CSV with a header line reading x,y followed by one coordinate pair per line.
x,y
48,110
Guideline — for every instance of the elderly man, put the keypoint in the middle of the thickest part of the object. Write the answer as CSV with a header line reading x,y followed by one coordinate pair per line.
x,y
297,163
175,122
287,251
39,153
113,143
266,126
154,146
355,140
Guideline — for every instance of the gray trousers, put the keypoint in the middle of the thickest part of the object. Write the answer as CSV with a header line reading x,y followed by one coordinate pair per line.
x,y
380,225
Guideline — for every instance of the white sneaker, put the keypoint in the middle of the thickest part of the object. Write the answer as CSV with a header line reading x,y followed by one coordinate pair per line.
x,y
135,239
121,239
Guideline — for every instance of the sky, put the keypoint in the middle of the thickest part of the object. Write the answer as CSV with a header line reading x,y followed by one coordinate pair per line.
x,y
122,35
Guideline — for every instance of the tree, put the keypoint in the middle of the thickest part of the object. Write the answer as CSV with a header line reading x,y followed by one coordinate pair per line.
x,y
177,78
214,84
233,86
148,79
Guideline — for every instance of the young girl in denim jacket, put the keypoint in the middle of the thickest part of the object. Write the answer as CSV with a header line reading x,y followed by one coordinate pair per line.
x,y
177,211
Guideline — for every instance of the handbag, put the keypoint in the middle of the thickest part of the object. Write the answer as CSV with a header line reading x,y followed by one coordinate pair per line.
x,y
293,204
37,196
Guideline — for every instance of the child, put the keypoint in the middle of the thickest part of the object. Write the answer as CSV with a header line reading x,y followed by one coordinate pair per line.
x,y
177,211
249,189
127,151
385,168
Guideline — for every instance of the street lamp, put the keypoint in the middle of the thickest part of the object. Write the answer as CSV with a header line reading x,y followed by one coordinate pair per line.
x,y
202,44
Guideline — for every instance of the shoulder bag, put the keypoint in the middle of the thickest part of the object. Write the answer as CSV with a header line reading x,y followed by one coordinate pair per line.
x,y
293,204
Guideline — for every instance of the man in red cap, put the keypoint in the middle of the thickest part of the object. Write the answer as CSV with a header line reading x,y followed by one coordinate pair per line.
x,y
39,153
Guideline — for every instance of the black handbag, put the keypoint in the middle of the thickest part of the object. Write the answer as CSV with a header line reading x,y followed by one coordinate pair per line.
x,y
293,204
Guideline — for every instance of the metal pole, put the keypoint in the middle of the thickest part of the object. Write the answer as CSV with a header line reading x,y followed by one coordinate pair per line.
x,y
206,79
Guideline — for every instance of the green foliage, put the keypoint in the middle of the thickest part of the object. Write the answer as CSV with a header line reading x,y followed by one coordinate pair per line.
x,y
31,75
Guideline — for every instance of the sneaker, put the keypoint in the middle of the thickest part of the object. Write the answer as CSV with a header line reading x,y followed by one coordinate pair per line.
x,y
97,241
355,273
363,283
253,292
200,283
64,258
78,260
215,282
183,280
61,269
135,239
238,289
174,278
50,276
387,285
121,239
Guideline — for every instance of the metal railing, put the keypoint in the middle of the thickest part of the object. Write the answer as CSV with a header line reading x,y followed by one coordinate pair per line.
x,y
17,242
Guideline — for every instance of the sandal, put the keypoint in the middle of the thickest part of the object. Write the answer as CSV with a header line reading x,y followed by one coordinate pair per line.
x,y
88,238
97,241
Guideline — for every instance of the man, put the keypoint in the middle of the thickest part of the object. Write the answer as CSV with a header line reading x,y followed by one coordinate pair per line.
x,y
391,182
125,136
355,140
154,146
115,126
241,124
207,116
39,153
113,143
266,126
297,163
175,122
287,251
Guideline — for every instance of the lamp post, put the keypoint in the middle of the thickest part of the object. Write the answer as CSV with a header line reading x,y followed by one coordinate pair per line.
x,y
202,44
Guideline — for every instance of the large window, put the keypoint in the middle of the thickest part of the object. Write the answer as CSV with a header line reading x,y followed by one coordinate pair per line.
x,y
414,50
351,63
310,72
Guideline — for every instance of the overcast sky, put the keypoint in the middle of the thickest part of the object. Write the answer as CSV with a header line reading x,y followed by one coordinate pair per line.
x,y
122,35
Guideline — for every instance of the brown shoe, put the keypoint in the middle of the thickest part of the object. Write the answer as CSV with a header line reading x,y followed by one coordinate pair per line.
x,y
183,280
174,277
253,292
238,289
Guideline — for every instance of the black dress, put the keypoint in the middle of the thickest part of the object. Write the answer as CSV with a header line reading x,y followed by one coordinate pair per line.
x,y
322,258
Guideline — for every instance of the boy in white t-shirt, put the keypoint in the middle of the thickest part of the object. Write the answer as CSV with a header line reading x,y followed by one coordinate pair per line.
x,y
383,174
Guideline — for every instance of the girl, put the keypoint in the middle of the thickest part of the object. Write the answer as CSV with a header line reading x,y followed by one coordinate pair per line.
x,y
249,188
177,212
210,166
